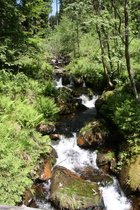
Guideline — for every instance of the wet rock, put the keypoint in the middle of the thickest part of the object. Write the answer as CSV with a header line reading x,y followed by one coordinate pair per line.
x,y
103,180
47,161
79,104
69,191
45,172
103,159
8,207
46,129
55,137
65,109
92,135
27,197
135,202
41,193
113,165
107,159
130,176
105,169
66,101
95,175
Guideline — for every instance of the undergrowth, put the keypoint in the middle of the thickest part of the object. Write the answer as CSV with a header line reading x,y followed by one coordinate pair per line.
x,y
24,105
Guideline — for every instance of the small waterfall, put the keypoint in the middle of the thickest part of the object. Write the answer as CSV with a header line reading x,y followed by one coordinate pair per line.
x,y
88,103
44,204
72,156
59,83
114,198
84,83
71,85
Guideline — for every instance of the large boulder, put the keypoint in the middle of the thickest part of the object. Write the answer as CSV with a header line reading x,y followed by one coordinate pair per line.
x,y
92,135
69,191
130,175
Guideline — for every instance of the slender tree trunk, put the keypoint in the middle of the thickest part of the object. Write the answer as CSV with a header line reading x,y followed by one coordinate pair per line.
x,y
77,37
108,48
127,55
117,28
103,57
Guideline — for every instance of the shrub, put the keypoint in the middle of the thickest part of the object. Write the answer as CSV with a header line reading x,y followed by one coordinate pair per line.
x,y
124,112
47,107
19,154
22,108
49,88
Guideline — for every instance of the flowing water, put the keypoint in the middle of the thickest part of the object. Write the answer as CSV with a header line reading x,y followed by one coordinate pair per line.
x,y
76,159
88,103
58,83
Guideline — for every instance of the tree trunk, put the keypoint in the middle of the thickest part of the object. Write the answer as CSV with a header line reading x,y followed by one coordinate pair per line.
x,y
103,57
77,37
108,48
127,55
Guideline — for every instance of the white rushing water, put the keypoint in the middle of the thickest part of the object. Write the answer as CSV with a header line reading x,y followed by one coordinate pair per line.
x,y
114,198
43,203
87,102
73,157
59,83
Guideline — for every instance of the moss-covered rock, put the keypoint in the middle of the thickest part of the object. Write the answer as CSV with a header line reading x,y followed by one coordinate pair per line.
x,y
107,159
66,101
101,100
69,191
130,175
93,134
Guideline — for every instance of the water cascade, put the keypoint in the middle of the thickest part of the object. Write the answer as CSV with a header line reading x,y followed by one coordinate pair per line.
x,y
76,159
59,83
114,198
84,84
88,103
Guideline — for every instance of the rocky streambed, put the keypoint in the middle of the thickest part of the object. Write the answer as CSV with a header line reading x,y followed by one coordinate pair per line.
x,y
81,171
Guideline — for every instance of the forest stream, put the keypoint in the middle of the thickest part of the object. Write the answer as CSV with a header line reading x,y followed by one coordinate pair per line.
x,y
77,159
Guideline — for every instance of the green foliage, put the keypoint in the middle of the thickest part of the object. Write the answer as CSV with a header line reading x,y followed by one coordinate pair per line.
x,y
22,108
47,107
49,88
34,64
35,15
64,96
19,153
67,197
124,112
91,70
63,39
